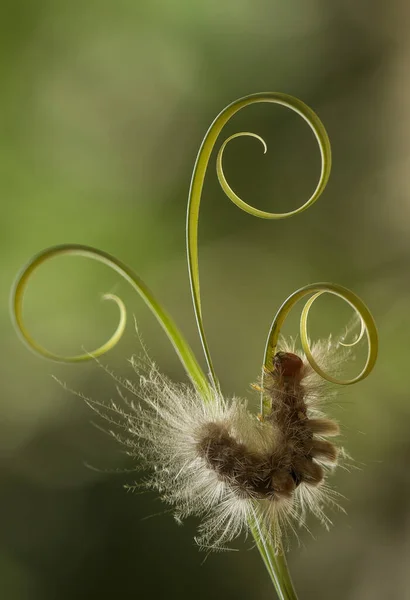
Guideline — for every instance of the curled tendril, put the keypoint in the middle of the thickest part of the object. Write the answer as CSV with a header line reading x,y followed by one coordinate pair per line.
x,y
368,326
198,178
180,345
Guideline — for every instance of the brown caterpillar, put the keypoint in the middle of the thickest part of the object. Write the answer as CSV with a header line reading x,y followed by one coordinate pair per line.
x,y
296,450
217,460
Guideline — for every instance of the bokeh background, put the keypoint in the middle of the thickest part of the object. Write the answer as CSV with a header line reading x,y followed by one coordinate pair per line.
x,y
103,106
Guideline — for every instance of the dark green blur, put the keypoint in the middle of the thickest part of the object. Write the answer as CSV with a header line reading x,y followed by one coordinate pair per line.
x,y
103,107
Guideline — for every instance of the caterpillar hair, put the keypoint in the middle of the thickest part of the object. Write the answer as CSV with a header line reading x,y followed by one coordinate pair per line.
x,y
219,461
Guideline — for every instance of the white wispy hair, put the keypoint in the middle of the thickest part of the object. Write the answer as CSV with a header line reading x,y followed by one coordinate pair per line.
x,y
163,428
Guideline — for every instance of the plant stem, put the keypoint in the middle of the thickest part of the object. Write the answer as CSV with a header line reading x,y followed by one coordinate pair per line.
x,y
275,562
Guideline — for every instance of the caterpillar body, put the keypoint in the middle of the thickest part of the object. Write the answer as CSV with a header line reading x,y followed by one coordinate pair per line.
x,y
295,450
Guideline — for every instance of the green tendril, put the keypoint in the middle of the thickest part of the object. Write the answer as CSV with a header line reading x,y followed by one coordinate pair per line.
x,y
368,326
198,178
181,347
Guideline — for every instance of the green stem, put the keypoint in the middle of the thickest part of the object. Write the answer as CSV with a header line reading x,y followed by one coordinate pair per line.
x,y
275,562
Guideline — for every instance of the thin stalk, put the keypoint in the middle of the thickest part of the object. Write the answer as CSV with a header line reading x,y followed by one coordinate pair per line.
x,y
275,562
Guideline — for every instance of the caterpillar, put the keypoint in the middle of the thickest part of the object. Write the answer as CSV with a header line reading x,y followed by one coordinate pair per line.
x,y
219,461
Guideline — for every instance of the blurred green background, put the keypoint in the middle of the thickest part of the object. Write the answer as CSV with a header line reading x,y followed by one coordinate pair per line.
x,y
102,110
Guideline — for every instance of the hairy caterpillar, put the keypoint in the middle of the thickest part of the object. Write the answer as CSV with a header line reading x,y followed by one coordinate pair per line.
x,y
221,462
